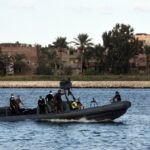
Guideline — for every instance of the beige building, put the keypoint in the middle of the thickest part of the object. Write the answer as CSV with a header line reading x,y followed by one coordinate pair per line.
x,y
71,59
66,58
145,38
141,61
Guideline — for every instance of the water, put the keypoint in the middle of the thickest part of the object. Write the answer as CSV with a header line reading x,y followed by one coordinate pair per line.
x,y
130,132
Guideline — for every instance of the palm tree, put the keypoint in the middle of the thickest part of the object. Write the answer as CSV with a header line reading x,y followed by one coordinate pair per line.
x,y
61,43
53,57
82,42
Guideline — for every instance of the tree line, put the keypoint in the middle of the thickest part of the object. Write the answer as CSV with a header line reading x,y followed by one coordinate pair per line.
x,y
119,46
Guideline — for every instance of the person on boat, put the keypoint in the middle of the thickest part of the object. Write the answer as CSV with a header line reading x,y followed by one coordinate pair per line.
x,y
41,105
117,97
79,104
93,103
50,102
13,105
58,101
69,86
18,103
66,85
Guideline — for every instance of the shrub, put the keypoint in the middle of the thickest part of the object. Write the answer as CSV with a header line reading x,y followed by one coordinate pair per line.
x,y
43,70
68,71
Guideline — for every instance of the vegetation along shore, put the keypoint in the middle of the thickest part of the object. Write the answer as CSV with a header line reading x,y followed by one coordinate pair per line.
x,y
82,81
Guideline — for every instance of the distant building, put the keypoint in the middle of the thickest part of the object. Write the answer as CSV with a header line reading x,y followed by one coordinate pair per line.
x,y
144,37
27,65
141,62
65,59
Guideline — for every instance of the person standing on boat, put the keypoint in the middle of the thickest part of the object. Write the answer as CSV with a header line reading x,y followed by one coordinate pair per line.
x,y
50,102
13,105
41,105
69,86
58,101
93,102
18,103
66,85
117,97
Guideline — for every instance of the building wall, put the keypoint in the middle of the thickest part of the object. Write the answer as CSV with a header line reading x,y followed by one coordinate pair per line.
x,y
29,51
70,59
145,38
141,61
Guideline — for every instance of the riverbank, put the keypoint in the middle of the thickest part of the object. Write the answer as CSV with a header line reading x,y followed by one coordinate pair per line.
x,y
104,77
76,84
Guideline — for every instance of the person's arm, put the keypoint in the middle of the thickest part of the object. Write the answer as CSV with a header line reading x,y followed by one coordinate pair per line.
x,y
46,97
114,98
21,102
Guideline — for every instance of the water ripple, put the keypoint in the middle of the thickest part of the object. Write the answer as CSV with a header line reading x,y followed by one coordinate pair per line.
x,y
130,132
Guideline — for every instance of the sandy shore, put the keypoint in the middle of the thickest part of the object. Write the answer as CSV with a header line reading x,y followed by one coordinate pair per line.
x,y
76,84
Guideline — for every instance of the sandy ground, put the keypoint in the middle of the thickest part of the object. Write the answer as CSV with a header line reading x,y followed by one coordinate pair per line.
x,y
78,84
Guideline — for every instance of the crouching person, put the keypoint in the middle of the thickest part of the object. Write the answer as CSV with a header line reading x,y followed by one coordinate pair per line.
x,y
80,105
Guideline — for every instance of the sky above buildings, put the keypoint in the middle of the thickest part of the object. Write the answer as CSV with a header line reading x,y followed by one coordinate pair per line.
x,y
42,21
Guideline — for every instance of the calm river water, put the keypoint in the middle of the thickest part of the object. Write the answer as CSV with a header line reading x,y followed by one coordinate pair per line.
x,y
129,132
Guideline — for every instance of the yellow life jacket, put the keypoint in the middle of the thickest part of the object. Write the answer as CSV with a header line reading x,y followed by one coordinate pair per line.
x,y
74,105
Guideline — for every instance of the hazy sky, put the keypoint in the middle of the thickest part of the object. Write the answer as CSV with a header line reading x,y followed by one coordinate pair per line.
x,y
41,21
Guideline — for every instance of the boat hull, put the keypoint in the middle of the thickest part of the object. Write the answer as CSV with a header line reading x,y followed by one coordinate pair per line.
x,y
100,113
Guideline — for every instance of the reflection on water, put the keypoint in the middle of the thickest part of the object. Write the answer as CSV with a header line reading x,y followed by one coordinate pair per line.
x,y
130,132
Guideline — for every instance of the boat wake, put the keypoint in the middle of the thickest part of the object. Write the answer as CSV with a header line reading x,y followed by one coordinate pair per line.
x,y
82,120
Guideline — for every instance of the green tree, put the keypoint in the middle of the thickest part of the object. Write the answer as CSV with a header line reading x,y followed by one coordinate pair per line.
x,y
99,55
121,46
3,62
19,65
48,59
60,44
87,56
82,42
19,57
53,59
147,52
68,70
42,69
147,49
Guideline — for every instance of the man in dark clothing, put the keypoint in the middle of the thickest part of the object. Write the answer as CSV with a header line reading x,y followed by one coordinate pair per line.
x,y
58,101
93,102
117,97
69,86
13,105
49,97
41,104
66,85
50,102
